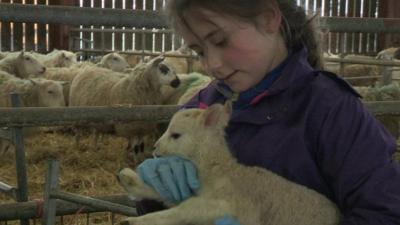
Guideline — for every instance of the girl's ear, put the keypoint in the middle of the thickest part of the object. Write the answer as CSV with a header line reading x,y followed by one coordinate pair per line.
x,y
273,19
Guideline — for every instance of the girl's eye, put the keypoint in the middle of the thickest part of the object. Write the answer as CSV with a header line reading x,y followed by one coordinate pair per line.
x,y
221,43
199,53
175,135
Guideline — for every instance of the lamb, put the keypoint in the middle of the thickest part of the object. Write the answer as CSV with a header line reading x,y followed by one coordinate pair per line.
x,y
57,58
22,65
114,62
228,188
190,84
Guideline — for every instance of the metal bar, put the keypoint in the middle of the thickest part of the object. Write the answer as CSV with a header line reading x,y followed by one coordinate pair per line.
x,y
94,203
141,53
70,15
363,61
6,134
87,115
49,212
45,116
384,107
8,190
109,30
358,24
22,180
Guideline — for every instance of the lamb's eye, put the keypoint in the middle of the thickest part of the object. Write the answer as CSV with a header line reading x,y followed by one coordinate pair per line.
x,y
175,135
50,92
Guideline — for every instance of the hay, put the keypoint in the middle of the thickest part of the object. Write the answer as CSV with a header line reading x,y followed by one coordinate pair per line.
x,y
85,170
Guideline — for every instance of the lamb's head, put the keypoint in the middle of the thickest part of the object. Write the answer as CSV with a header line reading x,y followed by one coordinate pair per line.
x,y
162,72
49,92
114,62
193,128
29,65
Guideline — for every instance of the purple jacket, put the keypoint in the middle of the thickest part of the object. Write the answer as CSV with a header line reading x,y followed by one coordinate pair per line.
x,y
311,128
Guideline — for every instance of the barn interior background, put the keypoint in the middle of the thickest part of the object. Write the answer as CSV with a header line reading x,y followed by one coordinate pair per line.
x,y
361,27
42,37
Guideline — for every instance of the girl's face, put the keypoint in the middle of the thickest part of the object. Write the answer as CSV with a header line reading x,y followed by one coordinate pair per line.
x,y
237,52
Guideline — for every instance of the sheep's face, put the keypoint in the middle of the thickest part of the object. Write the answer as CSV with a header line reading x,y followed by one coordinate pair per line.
x,y
29,64
67,59
115,62
192,128
50,93
167,75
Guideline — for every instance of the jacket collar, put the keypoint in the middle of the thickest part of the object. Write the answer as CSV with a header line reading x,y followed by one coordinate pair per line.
x,y
274,103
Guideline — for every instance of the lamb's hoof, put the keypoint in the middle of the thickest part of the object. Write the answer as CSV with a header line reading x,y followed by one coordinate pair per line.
x,y
124,222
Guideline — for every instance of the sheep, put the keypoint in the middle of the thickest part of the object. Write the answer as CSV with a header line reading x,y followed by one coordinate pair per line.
x,y
65,74
134,59
22,65
102,87
35,92
3,55
91,87
57,58
228,188
141,87
389,54
389,92
114,62
190,84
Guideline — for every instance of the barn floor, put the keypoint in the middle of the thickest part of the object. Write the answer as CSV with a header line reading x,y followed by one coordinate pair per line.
x,y
83,170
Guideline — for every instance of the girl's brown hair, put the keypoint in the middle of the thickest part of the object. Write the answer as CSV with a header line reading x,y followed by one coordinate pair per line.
x,y
296,28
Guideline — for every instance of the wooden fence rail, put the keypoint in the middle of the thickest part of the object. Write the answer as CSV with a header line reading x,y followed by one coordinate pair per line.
x,y
34,209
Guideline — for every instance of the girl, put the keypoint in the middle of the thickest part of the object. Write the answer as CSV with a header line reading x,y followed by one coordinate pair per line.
x,y
302,123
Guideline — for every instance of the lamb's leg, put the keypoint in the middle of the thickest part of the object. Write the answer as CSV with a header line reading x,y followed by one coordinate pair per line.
x,y
132,183
195,210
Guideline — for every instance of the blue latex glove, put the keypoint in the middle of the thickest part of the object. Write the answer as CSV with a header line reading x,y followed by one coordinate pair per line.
x,y
226,220
173,177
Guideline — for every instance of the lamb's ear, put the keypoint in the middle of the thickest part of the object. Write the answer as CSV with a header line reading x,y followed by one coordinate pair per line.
x,y
216,115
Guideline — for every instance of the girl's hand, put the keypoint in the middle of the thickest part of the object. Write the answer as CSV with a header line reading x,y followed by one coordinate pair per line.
x,y
173,177
226,220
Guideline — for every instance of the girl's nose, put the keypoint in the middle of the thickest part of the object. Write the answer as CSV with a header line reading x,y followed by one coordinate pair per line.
x,y
213,62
